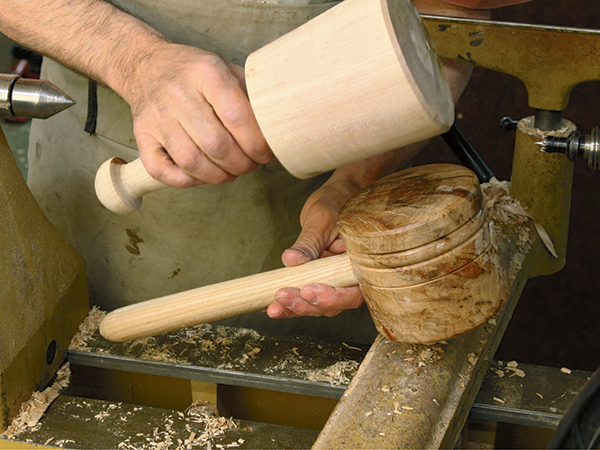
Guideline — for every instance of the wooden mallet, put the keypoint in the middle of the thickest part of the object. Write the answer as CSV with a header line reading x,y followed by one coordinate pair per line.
x,y
418,243
359,80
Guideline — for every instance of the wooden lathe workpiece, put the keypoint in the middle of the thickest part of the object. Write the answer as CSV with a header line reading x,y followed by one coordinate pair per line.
x,y
359,80
418,244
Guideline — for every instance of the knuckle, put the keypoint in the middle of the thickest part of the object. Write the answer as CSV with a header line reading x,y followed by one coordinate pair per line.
x,y
237,115
216,146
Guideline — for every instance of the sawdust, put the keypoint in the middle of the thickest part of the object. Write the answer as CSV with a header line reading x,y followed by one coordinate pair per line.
x,y
339,373
87,329
205,339
33,409
203,413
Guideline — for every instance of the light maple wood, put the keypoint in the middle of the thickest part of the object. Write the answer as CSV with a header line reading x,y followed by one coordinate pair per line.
x,y
221,300
121,185
458,289
356,81
361,79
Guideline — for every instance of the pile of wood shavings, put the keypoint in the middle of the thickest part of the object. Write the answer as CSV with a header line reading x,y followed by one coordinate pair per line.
x,y
32,410
335,374
214,426
87,328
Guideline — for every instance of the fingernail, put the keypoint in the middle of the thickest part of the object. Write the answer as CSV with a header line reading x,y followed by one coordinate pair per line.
x,y
303,255
285,301
311,297
281,315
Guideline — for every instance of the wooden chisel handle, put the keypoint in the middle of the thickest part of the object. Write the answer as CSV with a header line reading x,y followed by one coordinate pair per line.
x,y
121,185
221,300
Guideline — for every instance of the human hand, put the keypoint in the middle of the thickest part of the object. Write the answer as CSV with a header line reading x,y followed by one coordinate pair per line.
x,y
319,238
192,118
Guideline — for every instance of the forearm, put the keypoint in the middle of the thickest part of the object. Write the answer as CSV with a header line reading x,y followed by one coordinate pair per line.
x,y
89,36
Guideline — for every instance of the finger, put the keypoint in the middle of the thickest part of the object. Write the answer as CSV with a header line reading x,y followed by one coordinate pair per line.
x,y
193,160
210,135
314,300
318,231
289,303
327,298
226,95
160,166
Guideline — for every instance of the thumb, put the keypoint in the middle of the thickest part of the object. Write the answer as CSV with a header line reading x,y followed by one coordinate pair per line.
x,y
309,246
318,232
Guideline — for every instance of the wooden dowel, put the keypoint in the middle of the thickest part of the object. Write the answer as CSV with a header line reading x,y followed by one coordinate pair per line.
x,y
221,300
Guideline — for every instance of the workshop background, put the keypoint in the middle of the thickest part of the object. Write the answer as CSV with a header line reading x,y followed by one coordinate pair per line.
x,y
556,321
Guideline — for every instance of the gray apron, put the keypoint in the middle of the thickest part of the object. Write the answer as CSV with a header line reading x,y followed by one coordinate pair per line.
x,y
181,238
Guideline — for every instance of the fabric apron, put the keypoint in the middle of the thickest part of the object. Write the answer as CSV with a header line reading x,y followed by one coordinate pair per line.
x,y
181,238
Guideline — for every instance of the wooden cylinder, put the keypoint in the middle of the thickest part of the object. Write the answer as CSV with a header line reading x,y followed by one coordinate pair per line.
x,y
361,79
221,300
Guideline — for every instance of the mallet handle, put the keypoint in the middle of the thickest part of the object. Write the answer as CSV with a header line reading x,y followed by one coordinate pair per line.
x,y
121,185
221,300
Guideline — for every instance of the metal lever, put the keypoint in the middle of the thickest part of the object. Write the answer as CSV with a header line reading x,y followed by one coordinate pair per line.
x,y
467,154
575,146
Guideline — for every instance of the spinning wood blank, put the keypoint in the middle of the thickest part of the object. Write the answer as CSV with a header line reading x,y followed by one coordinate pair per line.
x,y
359,80
460,289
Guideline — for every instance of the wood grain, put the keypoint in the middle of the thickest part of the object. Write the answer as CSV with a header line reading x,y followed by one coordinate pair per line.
x,y
427,270
442,308
424,252
120,185
410,208
361,79
221,300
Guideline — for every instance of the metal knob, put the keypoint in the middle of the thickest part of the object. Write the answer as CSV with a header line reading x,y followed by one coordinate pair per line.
x,y
575,146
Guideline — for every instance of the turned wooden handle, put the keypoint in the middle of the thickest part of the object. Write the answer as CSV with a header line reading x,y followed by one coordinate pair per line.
x,y
121,185
221,300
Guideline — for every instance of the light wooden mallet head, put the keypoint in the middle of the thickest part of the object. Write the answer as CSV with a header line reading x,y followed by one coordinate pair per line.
x,y
361,79
418,243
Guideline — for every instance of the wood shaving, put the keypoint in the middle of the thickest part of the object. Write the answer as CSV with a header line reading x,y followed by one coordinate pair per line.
x,y
566,370
506,209
87,328
516,372
339,373
499,400
512,364
33,409
473,358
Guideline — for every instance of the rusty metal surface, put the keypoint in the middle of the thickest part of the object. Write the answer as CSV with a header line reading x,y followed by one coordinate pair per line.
x,y
419,396
550,61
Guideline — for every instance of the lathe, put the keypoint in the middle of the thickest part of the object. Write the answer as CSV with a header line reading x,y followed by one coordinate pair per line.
x,y
393,395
